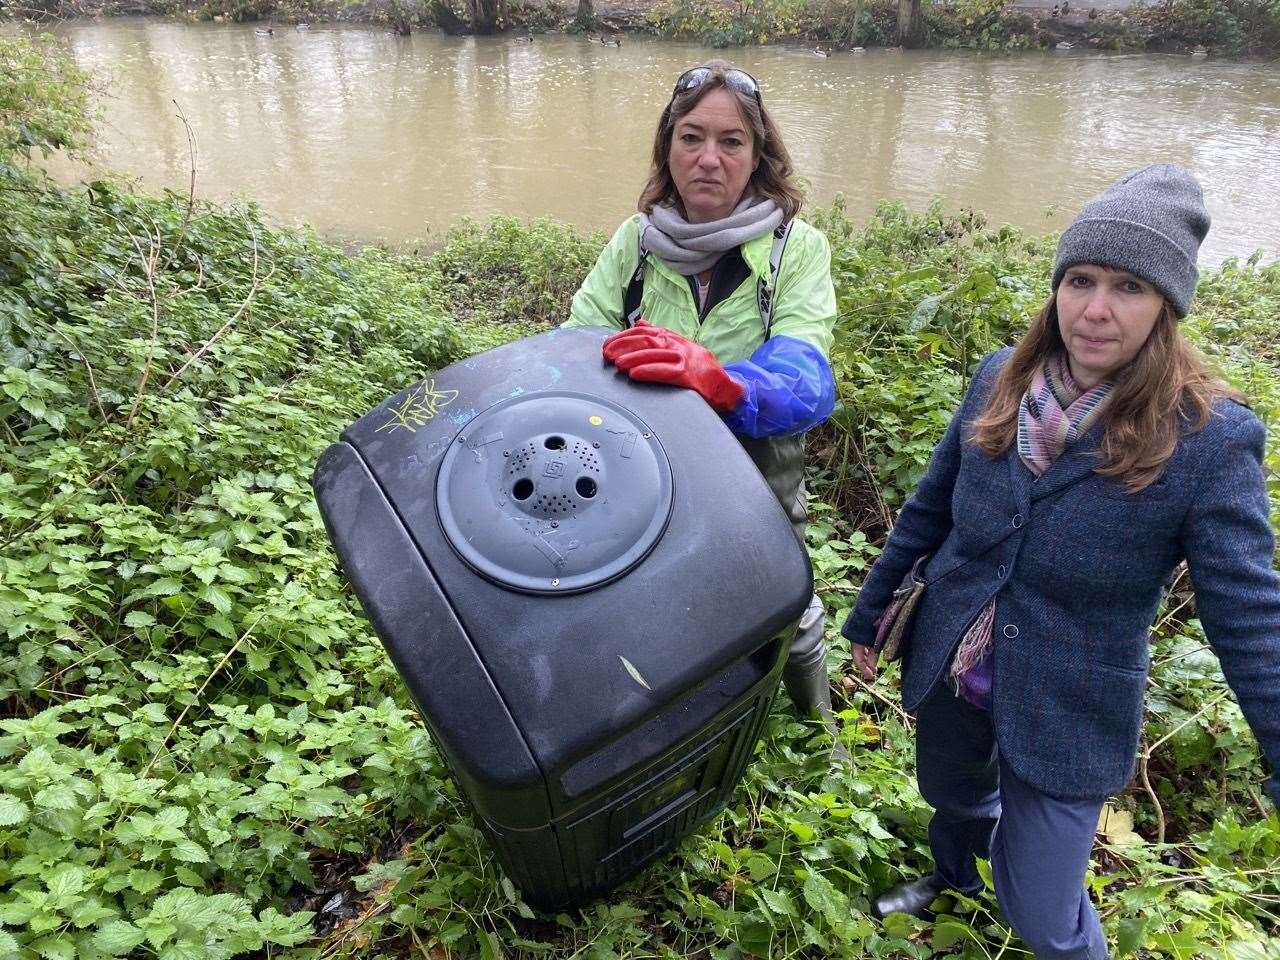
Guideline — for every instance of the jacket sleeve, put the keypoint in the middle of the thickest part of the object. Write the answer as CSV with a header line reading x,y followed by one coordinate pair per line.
x,y
921,526
1230,547
787,388
787,382
598,302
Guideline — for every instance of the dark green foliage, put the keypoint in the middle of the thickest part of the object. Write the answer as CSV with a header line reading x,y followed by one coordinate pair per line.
x,y
510,272
1227,26
983,24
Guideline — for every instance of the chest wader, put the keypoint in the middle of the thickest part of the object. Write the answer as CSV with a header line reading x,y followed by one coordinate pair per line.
x,y
781,461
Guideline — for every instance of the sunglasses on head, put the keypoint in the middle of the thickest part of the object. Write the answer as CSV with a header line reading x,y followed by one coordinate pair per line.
x,y
734,79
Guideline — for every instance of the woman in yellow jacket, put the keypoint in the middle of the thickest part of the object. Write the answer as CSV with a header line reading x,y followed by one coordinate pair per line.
x,y
716,287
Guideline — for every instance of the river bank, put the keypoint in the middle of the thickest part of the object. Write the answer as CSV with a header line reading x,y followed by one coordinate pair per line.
x,y
1196,27
380,138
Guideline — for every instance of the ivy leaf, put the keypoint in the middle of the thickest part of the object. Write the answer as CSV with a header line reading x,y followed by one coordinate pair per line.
x,y
12,810
139,619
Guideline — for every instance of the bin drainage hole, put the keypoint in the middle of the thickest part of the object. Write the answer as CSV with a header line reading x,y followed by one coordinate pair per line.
x,y
554,443
523,489
586,487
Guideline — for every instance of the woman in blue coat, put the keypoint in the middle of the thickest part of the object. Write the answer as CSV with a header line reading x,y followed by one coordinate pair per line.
x,y
1083,466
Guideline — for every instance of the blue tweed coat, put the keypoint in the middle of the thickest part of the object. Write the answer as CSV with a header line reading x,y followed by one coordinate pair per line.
x,y
1077,566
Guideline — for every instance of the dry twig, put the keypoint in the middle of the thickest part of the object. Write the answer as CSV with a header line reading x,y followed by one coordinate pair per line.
x,y
253,288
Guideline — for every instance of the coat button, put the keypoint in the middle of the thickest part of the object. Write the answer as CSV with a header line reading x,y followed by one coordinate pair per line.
x,y
1010,630
1002,571
1017,520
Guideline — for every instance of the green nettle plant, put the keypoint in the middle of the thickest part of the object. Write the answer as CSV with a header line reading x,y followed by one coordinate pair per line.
x,y
205,753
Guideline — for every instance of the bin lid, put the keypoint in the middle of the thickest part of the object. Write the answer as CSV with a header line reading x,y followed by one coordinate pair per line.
x,y
554,492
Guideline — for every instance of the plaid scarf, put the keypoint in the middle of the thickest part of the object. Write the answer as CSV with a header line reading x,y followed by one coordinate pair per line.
x,y
1054,413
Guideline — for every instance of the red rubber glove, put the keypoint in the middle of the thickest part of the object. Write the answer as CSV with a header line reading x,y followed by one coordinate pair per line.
x,y
657,355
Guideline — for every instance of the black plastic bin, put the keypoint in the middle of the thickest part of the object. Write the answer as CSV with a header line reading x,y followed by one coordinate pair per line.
x,y
587,587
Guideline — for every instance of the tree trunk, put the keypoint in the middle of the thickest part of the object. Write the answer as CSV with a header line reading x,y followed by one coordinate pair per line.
x,y
485,15
910,23
585,18
446,19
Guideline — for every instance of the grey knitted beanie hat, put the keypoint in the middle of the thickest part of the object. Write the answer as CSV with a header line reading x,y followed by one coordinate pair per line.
x,y
1149,223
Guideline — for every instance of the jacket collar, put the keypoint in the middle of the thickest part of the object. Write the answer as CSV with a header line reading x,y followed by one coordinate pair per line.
x,y
756,252
1075,464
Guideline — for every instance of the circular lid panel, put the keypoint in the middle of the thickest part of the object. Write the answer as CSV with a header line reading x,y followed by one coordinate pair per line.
x,y
554,492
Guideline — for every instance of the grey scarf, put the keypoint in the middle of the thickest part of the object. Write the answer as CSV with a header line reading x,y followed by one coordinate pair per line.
x,y
689,248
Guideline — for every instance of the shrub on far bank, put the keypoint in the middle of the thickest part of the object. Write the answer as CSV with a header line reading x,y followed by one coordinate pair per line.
x,y
1235,27
44,98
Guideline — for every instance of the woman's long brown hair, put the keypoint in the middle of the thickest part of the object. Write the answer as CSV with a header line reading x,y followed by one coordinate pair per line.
x,y
772,176
1165,389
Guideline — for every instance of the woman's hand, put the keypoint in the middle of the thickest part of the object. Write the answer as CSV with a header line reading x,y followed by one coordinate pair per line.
x,y
866,660
658,355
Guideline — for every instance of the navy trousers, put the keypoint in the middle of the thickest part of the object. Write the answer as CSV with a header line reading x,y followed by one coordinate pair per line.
x,y
1038,846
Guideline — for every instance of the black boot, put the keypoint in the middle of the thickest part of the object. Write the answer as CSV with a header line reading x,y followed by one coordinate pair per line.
x,y
912,898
